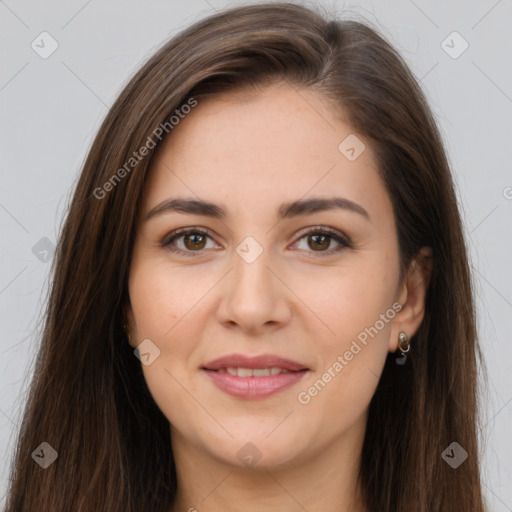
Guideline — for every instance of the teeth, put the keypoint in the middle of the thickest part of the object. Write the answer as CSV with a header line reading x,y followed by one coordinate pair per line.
x,y
256,372
265,372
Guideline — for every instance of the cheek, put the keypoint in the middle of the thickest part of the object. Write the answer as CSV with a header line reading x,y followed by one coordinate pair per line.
x,y
165,302
339,392
356,304
341,302
163,297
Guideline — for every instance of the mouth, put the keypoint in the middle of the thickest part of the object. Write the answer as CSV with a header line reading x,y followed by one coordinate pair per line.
x,y
254,377
251,372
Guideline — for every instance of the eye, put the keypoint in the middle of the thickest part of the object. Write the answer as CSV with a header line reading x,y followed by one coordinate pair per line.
x,y
320,238
193,241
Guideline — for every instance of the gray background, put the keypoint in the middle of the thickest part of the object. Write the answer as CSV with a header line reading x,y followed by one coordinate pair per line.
x,y
51,109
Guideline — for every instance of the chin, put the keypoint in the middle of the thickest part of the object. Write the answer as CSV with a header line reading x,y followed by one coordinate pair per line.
x,y
259,451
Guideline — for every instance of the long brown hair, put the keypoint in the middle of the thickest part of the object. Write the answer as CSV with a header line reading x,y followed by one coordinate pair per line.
x,y
88,398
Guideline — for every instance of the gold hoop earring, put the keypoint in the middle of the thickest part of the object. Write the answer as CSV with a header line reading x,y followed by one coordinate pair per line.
x,y
404,345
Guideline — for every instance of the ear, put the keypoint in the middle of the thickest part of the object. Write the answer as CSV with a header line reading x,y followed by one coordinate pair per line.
x,y
129,320
411,296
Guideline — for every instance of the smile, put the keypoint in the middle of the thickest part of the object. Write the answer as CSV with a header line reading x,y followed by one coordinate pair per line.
x,y
250,372
254,377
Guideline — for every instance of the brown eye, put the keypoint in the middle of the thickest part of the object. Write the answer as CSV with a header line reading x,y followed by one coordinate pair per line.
x,y
319,242
195,241
187,242
323,241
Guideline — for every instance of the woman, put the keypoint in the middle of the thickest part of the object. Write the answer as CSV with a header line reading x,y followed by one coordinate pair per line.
x,y
261,298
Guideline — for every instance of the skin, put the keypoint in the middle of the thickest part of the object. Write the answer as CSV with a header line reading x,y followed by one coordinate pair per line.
x,y
249,153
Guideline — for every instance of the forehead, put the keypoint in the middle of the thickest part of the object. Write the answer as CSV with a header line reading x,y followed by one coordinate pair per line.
x,y
265,146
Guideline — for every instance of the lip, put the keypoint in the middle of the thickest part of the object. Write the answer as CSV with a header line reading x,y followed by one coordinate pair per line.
x,y
254,387
261,361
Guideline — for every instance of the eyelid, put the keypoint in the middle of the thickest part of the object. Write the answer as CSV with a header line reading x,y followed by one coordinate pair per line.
x,y
334,233
185,231
340,238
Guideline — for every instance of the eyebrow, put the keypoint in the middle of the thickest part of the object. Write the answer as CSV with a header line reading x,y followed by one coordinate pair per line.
x,y
286,210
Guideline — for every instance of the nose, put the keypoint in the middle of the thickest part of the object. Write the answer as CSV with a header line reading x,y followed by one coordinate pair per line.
x,y
254,297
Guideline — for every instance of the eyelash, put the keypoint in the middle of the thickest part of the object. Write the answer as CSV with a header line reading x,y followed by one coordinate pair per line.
x,y
343,240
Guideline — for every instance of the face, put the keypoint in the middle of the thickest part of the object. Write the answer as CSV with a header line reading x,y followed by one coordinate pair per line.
x,y
268,323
